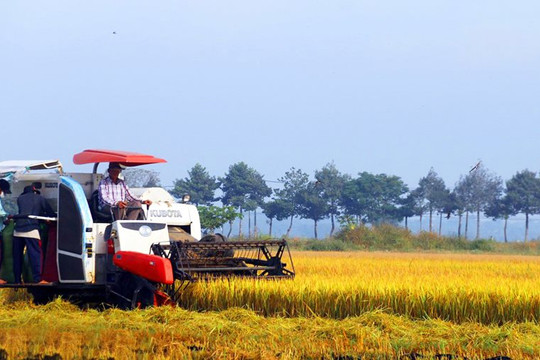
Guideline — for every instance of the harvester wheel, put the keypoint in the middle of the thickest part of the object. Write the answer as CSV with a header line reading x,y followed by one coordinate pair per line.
x,y
133,292
41,296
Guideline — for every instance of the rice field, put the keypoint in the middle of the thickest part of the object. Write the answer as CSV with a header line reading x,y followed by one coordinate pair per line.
x,y
488,289
341,305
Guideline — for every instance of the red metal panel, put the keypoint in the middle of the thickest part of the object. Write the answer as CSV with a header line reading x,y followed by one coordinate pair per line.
x,y
151,267
124,157
50,268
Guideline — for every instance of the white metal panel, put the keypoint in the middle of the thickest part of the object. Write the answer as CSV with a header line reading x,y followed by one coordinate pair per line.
x,y
128,237
195,222
100,245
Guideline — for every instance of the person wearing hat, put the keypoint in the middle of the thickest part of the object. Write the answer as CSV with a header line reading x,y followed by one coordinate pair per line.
x,y
4,190
114,194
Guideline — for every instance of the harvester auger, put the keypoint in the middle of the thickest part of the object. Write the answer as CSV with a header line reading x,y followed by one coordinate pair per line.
x,y
213,257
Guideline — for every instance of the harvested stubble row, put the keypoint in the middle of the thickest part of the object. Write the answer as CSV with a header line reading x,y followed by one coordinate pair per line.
x,y
489,289
62,331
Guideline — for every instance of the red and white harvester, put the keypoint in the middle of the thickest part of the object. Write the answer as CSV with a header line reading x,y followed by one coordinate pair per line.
x,y
89,257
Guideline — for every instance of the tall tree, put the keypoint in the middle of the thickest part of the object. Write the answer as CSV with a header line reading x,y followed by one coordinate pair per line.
x,y
312,205
373,198
276,209
501,208
450,206
199,185
354,199
463,191
523,191
432,190
251,207
407,208
244,188
294,182
330,181
485,188
446,206
417,205
386,193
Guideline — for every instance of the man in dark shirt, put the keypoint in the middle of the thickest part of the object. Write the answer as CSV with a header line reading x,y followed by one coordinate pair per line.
x,y
27,232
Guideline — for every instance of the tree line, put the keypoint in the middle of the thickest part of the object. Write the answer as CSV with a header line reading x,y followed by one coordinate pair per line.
x,y
353,200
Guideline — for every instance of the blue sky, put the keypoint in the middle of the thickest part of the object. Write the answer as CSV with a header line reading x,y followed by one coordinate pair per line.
x,y
390,87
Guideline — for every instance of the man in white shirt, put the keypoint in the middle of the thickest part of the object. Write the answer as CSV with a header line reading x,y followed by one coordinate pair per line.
x,y
114,194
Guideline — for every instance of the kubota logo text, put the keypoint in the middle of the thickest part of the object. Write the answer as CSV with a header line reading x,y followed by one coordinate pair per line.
x,y
165,213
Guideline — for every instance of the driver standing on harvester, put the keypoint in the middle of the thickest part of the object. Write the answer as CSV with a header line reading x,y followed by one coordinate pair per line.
x,y
27,232
114,194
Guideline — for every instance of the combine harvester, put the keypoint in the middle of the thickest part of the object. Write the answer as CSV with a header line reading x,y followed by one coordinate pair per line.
x,y
89,257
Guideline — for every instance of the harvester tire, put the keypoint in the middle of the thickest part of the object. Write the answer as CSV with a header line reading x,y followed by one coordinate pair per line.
x,y
134,291
42,296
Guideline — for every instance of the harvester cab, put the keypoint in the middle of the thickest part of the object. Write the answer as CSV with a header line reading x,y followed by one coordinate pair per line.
x,y
90,257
